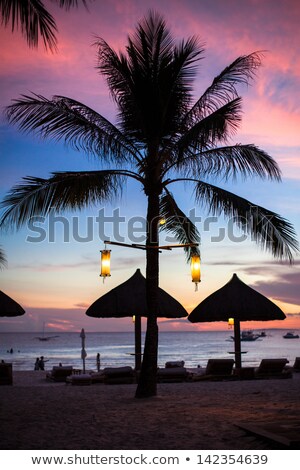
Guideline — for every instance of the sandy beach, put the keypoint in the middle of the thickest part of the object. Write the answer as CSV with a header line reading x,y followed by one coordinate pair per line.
x,y
38,414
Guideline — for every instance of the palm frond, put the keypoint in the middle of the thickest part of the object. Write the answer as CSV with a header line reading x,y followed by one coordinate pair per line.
x,y
228,162
154,63
76,124
67,4
216,127
62,191
33,19
270,230
224,87
3,260
114,68
177,223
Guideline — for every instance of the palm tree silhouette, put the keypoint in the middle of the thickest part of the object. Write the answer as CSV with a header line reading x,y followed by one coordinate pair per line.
x,y
3,260
161,138
34,19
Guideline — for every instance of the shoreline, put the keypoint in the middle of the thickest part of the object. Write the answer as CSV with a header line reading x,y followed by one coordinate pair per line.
x,y
39,414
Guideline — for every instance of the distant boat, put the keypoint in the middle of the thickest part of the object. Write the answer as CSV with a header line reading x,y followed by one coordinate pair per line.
x,y
290,335
263,334
248,336
45,338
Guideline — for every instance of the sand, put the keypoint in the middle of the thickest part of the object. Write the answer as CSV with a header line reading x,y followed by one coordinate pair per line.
x,y
38,414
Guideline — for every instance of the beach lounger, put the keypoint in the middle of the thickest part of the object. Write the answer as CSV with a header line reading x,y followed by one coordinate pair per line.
x,y
79,379
59,373
86,379
216,369
172,374
296,365
119,375
97,377
171,364
272,368
6,377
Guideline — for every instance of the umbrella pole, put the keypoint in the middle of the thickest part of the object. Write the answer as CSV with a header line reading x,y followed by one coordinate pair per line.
x,y
138,342
237,344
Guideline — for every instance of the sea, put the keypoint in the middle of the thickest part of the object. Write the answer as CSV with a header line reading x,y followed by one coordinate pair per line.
x,y
117,349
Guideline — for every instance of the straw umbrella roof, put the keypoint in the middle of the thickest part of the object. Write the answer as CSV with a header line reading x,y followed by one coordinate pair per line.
x,y
236,300
129,298
9,307
239,301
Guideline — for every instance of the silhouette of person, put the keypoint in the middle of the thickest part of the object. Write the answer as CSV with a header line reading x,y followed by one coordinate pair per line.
x,y
37,364
98,362
42,363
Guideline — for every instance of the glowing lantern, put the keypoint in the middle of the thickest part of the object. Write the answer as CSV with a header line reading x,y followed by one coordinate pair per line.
x,y
195,270
105,263
162,221
230,322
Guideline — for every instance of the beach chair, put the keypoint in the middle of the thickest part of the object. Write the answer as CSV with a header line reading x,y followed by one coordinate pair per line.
x,y
171,364
172,374
6,377
59,373
273,368
216,369
296,365
79,379
119,375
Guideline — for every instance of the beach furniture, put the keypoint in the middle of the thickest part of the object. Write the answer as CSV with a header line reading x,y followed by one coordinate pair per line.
x,y
119,375
172,374
86,379
273,368
243,303
296,365
6,377
59,373
80,379
171,364
174,371
216,369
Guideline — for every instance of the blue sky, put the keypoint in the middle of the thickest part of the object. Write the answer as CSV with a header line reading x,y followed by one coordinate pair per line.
x,y
57,281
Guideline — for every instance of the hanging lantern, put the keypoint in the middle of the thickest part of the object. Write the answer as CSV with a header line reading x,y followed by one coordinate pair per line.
x,y
105,263
162,221
133,318
230,322
195,270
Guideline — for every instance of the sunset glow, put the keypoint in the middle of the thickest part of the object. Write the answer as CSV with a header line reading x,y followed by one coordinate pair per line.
x,y
56,279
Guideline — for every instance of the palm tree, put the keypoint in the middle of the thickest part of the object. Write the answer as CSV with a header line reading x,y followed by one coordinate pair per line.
x,y
34,19
3,260
161,139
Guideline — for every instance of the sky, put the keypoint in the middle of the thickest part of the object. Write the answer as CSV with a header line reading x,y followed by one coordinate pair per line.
x,y
54,273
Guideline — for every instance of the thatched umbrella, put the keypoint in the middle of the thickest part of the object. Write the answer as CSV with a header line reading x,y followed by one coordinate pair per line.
x,y
128,300
9,307
239,301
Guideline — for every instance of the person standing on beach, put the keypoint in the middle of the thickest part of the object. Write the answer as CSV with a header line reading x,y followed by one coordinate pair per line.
x,y
42,363
98,362
37,364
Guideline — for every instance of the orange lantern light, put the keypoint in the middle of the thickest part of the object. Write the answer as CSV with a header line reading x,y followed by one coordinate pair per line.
x,y
105,263
195,270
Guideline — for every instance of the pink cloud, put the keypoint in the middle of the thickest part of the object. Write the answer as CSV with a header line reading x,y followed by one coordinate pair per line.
x,y
229,29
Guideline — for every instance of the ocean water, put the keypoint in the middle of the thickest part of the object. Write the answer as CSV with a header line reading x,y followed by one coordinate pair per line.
x,y
117,349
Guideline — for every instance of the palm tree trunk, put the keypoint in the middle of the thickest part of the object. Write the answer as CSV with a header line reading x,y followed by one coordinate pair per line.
x,y
147,380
